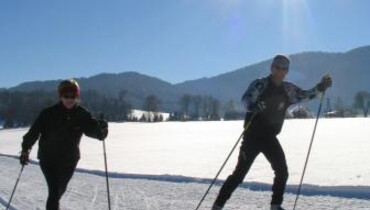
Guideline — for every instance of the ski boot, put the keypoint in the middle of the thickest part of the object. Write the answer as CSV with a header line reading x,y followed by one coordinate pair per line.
x,y
276,207
215,207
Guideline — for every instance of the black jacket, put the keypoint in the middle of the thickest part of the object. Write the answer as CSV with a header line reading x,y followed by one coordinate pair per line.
x,y
60,131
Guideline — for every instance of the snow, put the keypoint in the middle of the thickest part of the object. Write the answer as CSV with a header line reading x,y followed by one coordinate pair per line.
x,y
182,156
87,190
197,149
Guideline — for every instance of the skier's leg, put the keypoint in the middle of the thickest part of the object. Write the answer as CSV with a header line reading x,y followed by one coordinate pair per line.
x,y
275,155
51,176
65,174
246,157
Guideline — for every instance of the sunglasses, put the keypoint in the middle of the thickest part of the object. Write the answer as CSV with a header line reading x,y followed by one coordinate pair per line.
x,y
282,68
69,96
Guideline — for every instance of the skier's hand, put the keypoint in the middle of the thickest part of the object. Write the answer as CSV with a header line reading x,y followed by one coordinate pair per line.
x,y
325,83
103,125
24,159
260,106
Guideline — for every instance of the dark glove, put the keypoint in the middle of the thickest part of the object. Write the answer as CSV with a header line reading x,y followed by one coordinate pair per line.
x,y
260,106
24,159
325,83
103,125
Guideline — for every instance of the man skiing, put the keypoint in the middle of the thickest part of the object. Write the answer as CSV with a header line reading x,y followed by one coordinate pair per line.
x,y
60,128
266,101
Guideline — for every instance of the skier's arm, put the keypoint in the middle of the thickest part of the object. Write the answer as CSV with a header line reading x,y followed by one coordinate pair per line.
x,y
251,96
297,94
92,127
30,138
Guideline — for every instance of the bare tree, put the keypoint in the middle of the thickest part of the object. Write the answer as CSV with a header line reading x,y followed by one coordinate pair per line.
x,y
206,107
362,101
231,112
184,102
151,103
215,110
339,105
197,101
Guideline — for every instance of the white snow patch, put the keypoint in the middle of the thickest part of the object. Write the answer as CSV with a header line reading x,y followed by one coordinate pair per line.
x,y
148,115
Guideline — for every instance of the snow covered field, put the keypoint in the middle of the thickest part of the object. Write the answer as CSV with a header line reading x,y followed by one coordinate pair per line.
x,y
87,190
197,149
338,165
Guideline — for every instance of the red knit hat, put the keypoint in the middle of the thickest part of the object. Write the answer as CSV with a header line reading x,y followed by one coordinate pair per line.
x,y
69,87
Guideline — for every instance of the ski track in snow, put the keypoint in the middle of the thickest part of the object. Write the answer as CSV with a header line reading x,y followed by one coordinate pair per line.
x,y
359,192
87,190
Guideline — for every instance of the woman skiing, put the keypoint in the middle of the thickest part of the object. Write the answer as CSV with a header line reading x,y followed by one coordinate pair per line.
x,y
59,129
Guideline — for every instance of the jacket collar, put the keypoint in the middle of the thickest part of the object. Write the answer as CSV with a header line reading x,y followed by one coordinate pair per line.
x,y
63,108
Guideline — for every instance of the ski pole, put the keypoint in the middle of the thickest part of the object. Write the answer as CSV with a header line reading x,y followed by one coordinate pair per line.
x,y
227,159
106,168
309,150
15,187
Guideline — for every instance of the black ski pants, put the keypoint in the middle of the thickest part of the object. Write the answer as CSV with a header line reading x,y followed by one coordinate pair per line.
x,y
252,146
57,177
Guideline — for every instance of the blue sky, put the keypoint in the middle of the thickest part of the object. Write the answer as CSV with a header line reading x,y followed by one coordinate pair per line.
x,y
175,40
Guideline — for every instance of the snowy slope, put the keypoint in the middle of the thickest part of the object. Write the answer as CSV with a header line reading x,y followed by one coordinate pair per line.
x,y
197,149
87,191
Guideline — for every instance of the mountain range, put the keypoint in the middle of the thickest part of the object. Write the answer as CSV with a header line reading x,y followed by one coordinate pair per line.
x,y
350,72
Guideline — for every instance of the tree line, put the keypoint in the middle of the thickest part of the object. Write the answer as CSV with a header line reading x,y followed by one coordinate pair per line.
x,y
19,109
204,107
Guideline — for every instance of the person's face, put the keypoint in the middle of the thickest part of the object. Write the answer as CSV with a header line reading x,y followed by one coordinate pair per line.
x,y
279,72
69,100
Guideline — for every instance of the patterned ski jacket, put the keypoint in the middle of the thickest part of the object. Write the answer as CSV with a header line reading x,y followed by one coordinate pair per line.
x,y
277,99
